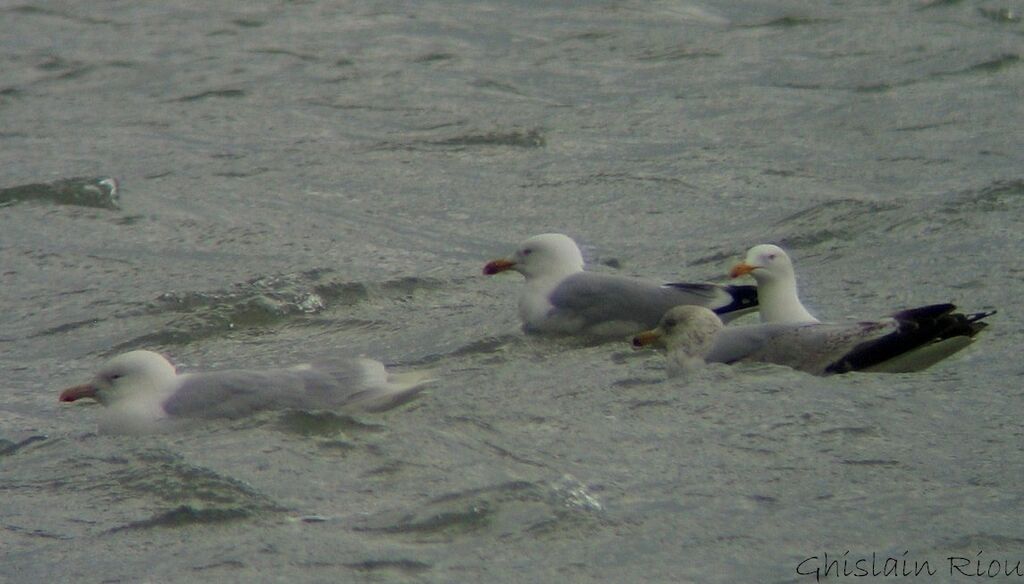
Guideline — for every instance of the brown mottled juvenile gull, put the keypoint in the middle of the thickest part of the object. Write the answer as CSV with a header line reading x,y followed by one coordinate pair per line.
x,y
909,340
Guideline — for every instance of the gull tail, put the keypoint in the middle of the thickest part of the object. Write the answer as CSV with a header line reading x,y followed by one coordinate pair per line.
x,y
925,336
385,390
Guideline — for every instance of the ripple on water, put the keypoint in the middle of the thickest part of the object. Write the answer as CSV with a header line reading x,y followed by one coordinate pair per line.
x,y
514,509
137,488
257,306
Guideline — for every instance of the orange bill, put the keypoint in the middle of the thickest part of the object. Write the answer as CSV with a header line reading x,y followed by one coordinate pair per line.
x,y
497,266
741,269
646,338
78,392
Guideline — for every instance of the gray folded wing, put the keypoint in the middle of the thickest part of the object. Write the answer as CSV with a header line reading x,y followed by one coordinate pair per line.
x,y
594,297
237,393
810,347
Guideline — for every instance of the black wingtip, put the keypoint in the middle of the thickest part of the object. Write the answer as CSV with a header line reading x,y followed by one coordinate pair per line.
x,y
943,321
922,313
971,324
744,297
977,316
917,327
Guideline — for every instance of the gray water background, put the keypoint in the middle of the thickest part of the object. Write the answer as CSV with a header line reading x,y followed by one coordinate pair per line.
x,y
306,179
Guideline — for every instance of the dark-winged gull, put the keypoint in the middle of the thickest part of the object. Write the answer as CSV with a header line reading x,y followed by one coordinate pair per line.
x,y
909,340
561,298
142,391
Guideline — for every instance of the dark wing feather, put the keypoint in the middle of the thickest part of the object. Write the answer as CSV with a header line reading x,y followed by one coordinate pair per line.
x,y
738,299
917,327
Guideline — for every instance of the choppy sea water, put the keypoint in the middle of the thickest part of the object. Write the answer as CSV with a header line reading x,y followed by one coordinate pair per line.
x,y
298,180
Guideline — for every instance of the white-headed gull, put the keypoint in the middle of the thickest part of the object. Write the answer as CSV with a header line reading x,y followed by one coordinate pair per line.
x,y
142,391
776,284
561,298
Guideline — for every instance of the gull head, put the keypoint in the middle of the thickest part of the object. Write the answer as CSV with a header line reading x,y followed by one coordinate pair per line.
x,y
127,374
766,263
688,327
687,332
545,255
778,300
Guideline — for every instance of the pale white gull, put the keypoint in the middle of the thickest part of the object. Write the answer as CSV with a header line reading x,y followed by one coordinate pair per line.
x,y
776,284
142,391
559,297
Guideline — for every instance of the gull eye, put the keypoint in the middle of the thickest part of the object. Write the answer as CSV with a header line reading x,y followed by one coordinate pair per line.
x,y
527,251
670,323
